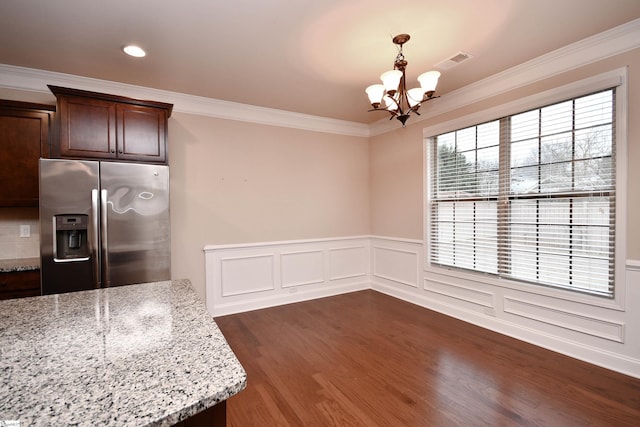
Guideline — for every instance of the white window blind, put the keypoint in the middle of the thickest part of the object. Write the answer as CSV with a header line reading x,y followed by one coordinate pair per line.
x,y
530,197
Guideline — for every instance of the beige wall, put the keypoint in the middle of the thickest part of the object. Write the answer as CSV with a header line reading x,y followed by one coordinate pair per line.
x,y
396,183
396,157
236,182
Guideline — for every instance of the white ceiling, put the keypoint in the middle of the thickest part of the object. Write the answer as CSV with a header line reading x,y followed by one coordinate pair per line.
x,y
308,56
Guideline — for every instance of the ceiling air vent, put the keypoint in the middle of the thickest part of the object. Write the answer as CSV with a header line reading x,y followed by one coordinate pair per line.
x,y
454,60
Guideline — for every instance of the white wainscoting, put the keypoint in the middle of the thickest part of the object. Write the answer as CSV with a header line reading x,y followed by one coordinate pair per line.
x,y
252,276
603,334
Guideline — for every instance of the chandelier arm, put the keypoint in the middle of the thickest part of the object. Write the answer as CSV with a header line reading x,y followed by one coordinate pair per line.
x,y
428,97
393,113
397,104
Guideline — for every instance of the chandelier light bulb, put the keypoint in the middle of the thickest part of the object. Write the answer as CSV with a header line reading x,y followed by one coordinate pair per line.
x,y
429,80
391,80
414,96
375,93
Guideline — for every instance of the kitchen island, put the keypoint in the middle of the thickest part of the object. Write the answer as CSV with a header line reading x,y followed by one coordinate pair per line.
x,y
134,355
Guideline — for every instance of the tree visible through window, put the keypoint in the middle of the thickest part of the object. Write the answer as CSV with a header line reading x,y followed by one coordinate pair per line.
x,y
530,197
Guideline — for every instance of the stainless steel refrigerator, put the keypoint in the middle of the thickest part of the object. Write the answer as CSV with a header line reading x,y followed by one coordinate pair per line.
x,y
103,224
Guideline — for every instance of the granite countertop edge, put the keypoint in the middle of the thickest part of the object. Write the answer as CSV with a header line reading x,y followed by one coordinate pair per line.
x,y
221,395
19,264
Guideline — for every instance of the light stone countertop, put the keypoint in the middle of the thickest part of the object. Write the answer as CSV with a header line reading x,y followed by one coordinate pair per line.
x,y
135,355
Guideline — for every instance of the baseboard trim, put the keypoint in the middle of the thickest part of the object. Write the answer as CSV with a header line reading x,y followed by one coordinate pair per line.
x,y
613,361
292,298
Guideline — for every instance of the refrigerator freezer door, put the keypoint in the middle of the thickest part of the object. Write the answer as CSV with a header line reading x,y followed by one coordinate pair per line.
x,y
137,247
68,237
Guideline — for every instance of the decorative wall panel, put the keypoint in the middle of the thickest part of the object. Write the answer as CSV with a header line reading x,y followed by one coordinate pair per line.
x,y
565,319
244,275
348,262
302,268
247,277
398,265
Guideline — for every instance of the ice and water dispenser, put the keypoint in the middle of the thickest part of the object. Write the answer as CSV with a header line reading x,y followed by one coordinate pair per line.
x,y
71,237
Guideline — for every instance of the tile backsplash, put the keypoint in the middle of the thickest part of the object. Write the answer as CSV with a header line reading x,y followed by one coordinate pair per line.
x,y
12,246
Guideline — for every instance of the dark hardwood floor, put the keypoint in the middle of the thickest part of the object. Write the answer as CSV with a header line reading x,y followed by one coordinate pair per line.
x,y
367,359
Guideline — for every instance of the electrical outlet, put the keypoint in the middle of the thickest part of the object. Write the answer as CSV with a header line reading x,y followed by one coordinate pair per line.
x,y
25,230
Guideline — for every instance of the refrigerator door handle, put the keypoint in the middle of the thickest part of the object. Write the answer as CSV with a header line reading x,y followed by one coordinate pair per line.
x,y
104,246
95,226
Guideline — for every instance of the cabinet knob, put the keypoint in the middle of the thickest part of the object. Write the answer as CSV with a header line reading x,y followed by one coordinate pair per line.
x,y
113,151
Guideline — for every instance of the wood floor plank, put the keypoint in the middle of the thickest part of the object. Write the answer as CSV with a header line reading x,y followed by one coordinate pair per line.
x,y
367,359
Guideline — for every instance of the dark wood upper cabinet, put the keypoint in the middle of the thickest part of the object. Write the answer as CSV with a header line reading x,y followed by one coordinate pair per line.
x,y
109,127
24,138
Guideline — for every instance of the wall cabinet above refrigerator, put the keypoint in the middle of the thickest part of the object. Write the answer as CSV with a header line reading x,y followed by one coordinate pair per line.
x,y
108,127
24,138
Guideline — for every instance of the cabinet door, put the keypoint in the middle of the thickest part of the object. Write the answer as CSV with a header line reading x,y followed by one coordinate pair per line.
x,y
87,128
19,284
141,133
24,138
110,127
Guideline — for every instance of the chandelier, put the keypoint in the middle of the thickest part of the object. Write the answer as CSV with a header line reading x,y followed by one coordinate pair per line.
x,y
392,95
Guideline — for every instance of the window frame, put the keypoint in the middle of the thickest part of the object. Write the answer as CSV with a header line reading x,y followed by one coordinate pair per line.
x,y
616,78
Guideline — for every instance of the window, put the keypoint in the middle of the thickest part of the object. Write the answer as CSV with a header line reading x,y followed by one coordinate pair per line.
x,y
529,197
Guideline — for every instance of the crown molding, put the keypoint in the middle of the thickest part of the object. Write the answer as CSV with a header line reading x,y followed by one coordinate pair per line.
x,y
601,46
609,43
33,80
602,81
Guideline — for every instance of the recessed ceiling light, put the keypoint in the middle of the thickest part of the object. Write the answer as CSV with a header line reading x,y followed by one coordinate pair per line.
x,y
136,51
